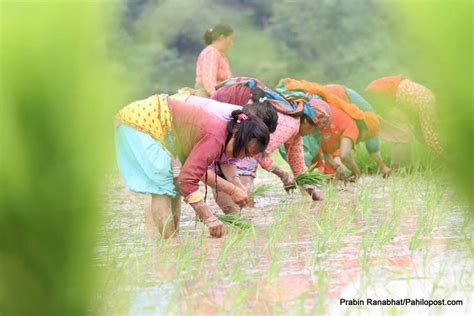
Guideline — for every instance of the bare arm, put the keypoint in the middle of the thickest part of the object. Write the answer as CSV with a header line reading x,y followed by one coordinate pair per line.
x,y
380,163
215,226
231,173
346,156
238,194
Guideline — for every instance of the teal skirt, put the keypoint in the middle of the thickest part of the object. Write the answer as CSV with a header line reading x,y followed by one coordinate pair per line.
x,y
143,162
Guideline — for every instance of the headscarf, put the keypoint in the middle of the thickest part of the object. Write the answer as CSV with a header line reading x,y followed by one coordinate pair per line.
x,y
232,93
338,90
314,107
318,111
370,119
238,91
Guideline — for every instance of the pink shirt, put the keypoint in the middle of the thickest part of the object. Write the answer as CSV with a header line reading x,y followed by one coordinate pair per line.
x,y
199,141
222,110
212,67
286,134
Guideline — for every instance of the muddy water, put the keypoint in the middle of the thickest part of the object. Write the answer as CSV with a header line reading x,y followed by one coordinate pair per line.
x,y
379,239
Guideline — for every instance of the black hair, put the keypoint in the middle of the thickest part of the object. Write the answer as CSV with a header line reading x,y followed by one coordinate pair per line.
x,y
214,32
245,130
264,111
306,118
256,94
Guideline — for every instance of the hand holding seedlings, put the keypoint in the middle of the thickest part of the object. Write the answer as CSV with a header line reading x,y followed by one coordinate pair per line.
x,y
310,177
239,196
215,226
235,220
386,172
341,173
286,178
289,183
313,194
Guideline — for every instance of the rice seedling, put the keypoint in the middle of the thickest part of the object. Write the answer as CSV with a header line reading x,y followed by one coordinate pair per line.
x,y
310,177
260,190
303,236
235,220
236,240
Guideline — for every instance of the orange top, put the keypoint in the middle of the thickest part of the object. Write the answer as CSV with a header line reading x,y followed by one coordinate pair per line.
x,y
340,125
385,86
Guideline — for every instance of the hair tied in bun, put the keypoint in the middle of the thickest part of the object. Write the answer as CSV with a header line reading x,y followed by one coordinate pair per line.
x,y
242,117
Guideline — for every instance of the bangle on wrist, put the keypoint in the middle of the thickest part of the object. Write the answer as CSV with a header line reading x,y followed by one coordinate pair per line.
x,y
210,219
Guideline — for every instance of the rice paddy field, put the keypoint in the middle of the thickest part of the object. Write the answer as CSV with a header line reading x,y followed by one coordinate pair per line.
x,y
408,236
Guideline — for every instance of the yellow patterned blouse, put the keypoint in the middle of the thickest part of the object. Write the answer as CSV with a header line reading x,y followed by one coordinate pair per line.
x,y
151,116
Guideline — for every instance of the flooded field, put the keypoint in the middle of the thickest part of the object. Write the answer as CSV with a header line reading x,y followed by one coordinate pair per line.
x,y
404,237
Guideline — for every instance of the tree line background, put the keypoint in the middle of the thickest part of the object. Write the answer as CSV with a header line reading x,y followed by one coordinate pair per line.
x,y
329,41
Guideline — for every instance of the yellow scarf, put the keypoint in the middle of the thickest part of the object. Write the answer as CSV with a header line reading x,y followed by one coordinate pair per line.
x,y
151,116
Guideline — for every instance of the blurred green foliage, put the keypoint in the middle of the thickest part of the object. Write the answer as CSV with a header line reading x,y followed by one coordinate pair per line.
x,y
62,79
57,98
437,37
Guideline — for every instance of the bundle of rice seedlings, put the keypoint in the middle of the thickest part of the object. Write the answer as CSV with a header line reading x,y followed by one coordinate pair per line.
x,y
310,177
235,220
261,190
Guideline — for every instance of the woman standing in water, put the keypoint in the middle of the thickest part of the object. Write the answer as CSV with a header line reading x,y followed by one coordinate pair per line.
x,y
371,144
348,123
295,119
152,131
212,65
408,110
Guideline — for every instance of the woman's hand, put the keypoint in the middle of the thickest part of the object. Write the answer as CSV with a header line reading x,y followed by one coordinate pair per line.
x,y
288,181
386,171
215,226
313,194
235,180
341,173
239,196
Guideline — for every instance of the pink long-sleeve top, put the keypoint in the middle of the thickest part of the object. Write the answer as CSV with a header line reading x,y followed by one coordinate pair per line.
x,y
212,67
286,134
199,141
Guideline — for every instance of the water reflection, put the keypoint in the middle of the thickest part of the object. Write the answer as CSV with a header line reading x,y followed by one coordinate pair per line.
x,y
289,264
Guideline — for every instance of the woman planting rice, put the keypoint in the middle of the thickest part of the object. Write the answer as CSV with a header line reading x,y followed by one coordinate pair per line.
x,y
227,169
408,109
153,130
212,65
295,119
348,124
312,142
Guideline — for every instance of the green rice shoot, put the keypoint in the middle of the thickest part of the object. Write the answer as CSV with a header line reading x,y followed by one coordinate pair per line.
x,y
261,190
235,220
310,177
